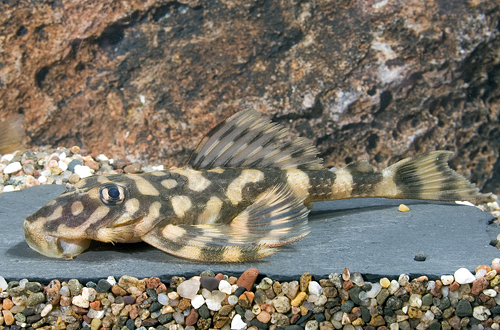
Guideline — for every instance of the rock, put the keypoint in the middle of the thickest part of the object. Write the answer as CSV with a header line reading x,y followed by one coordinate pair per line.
x,y
463,309
12,168
264,317
192,317
209,283
304,281
196,302
481,313
479,285
248,278
464,276
189,289
281,304
315,288
225,287
237,323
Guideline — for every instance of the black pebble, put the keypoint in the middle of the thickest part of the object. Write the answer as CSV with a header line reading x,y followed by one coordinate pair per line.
x,y
15,327
28,311
347,306
165,318
204,312
155,306
239,291
209,283
152,294
319,317
91,284
103,286
130,324
420,256
304,318
258,324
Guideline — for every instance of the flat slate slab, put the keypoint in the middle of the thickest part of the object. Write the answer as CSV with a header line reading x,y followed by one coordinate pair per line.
x,y
366,235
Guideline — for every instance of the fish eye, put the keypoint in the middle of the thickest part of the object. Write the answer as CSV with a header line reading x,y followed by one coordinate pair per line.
x,y
112,193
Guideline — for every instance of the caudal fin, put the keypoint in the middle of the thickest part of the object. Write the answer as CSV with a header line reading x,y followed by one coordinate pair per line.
x,y
428,176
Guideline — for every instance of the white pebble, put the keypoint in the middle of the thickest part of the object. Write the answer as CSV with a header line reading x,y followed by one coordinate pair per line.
x,y
62,156
237,323
46,310
447,279
62,165
357,279
416,300
84,171
22,283
101,158
198,301
225,287
93,314
393,287
403,279
3,284
179,318
42,179
111,280
189,289
480,273
464,276
80,301
490,293
375,290
312,325
481,313
89,293
232,300
315,288
163,299
7,158
8,188
12,168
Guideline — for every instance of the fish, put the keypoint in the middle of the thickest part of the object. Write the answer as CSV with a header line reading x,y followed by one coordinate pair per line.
x,y
243,193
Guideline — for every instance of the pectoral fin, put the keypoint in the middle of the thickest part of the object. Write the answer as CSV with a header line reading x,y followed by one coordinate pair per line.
x,y
276,218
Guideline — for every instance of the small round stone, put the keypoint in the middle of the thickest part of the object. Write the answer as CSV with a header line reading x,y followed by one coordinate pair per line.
x,y
464,276
420,256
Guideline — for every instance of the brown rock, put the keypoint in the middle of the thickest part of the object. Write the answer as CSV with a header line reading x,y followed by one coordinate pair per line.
x,y
264,317
192,317
91,163
220,321
153,282
7,303
52,292
219,276
479,285
246,299
347,285
96,305
65,301
454,286
118,290
183,304
131,169
247,279
377,321
161,288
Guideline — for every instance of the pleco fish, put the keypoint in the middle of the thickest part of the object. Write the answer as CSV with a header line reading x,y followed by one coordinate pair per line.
x,y
241,195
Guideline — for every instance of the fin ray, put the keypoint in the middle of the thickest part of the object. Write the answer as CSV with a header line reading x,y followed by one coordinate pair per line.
x,y
246,139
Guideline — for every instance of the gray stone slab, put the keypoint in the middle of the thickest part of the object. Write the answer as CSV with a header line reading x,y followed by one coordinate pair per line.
x,y
366,235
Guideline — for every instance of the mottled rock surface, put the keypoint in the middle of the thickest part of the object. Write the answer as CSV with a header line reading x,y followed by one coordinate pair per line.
x,y
377,80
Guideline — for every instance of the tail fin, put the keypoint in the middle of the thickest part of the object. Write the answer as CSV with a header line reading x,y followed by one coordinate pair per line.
x,y
428,176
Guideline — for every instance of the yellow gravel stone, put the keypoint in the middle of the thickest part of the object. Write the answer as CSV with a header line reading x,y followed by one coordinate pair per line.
x,y
95,324
384,281
403,208
358,322
297,301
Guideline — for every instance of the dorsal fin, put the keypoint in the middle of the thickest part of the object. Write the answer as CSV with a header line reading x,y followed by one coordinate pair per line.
x,y
246,139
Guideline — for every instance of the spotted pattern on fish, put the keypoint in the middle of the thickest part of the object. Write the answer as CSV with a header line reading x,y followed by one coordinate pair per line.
x,y
242,194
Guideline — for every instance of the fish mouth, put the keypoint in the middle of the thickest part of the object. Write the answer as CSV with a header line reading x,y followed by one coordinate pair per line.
x,y
52,246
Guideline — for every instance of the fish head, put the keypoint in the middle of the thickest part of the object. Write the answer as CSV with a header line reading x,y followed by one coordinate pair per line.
x,y
96,208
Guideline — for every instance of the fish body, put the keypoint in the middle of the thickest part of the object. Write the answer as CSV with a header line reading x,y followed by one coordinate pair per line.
x,y
242,195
